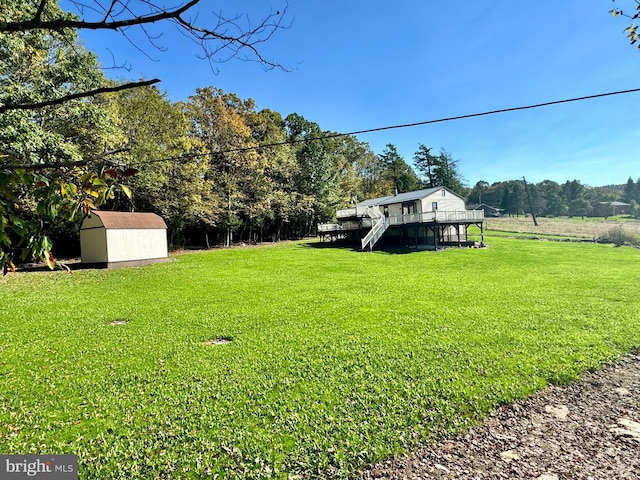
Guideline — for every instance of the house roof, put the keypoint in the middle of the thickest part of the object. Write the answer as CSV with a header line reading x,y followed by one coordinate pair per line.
x,y
130,220
404,197
477,206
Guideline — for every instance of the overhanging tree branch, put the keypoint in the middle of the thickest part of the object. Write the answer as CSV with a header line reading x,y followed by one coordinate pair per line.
x,y
90,93
234,43
228,35
43,3
68,164
36,23
631,30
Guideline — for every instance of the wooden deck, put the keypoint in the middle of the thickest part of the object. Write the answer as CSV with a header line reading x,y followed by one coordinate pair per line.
x,y
369,226
359,221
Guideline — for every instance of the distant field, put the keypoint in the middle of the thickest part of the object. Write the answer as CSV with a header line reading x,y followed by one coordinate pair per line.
x,y
297,360
575,227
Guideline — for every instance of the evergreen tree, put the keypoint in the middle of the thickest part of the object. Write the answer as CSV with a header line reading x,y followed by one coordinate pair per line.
x,y
427,164
399,172
447,173
631,190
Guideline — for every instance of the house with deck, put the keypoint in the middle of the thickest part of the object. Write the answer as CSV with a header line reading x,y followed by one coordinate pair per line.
x,y
431,218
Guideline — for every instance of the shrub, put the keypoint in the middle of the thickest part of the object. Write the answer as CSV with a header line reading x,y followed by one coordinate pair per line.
x,y
619,236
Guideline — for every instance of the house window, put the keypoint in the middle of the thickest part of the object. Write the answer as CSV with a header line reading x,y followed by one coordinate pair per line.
x,y
409,208
443,192
434,206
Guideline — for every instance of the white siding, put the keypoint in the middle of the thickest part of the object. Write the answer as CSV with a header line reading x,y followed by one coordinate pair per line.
x,y
395,209
136,244
446,203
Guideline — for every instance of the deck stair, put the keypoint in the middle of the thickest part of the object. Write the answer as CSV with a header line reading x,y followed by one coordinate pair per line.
x,y
379,227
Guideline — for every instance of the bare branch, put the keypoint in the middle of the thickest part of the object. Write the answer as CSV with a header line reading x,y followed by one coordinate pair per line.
x,y
109,11
73,96
234,43
228,37
62,23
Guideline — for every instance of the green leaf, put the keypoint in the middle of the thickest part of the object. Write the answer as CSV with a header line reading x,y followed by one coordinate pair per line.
x,y
86,177
126,190
46,243
52,211
101,197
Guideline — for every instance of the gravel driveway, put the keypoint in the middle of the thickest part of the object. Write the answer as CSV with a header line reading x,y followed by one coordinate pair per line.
x,y
588,430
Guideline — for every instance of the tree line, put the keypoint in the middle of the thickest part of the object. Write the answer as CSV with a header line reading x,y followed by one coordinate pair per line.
x,y
552,199
221,171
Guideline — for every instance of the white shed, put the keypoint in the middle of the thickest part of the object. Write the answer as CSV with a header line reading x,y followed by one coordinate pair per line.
x,y
119,239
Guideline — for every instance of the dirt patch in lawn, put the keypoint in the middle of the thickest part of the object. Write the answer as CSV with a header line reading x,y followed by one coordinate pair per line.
x,y
118,321
218,341
587,430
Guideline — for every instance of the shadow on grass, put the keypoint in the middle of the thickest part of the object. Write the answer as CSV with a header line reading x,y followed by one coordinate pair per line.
x,y
354,248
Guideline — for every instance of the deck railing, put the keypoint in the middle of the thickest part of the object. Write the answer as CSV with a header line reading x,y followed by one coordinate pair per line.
x,y
444,216
369,218
345,226
422,217
330,227
360,212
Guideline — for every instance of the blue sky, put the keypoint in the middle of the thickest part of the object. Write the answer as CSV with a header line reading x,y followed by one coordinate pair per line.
x,y
366,64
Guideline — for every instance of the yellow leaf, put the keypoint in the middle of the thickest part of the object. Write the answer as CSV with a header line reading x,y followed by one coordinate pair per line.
x,y
49,260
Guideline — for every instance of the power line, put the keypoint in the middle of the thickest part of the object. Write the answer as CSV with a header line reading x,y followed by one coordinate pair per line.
x,y
392,127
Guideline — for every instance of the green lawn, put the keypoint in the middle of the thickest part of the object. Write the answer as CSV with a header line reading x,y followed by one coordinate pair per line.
x,y
338,358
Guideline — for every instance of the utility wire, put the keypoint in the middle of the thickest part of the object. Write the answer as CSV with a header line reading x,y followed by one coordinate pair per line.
x,y
392,127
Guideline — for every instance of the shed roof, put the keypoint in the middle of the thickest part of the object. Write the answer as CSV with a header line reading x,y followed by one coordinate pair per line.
x,y
130,220
405,197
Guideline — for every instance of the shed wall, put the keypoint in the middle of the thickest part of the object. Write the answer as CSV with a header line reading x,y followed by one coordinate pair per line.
x,y
92,221
136,244
93,245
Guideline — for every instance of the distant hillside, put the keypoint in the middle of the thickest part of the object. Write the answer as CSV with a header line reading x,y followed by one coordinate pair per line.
x,y
613,188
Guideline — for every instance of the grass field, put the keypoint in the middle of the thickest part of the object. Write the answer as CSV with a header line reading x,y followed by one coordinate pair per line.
x,y
336,358
586,228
